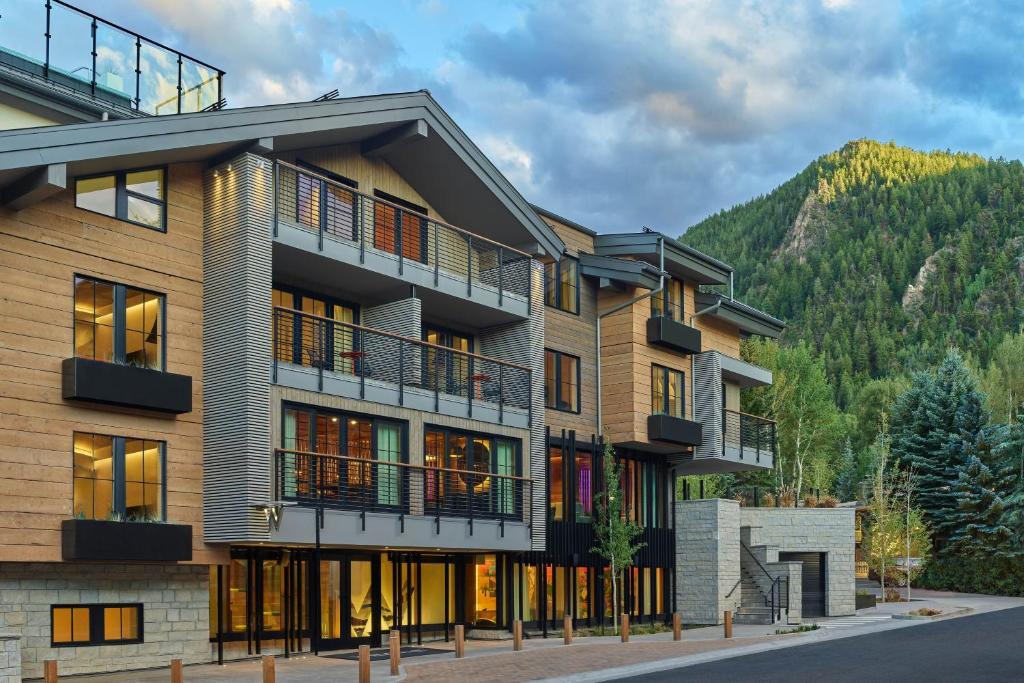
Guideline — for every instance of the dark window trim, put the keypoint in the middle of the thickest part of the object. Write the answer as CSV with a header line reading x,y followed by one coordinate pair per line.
x,y
558,384
556,282
119,319
119,481
121,194
448,431
320,170
96,625
668,309
298,294
343,417
404,203
449,332
664,370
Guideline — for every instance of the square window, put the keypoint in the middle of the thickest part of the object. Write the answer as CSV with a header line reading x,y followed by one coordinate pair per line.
x,y
135,196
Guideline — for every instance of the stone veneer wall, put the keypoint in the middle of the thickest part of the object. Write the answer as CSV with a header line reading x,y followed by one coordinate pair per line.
x,y
10,658
175,600
822,530
707,559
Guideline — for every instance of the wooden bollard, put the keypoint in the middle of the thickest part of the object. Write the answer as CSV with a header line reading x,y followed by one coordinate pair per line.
x,y
269,674
728,623
364,664
677,626
625,628
460,641
50,671
177,675
567,630
517,635
395,650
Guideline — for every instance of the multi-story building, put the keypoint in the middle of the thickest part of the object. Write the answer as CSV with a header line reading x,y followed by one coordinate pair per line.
x,y
283,378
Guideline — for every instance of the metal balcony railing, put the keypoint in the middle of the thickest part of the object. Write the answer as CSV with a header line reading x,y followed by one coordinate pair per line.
x,y
323,345
356,483
340,213
61,43
747,436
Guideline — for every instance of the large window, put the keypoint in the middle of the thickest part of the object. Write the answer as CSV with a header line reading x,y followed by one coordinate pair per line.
x,y
667,391
448,371
80,625
399,222
475,456
118,478
556,497
561,381
119,324
324,205
574,502
562,285
138,197
669,301
315,341
361,475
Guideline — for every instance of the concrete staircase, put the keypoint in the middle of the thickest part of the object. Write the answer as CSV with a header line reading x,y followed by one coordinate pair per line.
x,y
753,608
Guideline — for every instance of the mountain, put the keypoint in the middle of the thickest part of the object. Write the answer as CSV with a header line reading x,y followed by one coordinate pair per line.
x,y
882,256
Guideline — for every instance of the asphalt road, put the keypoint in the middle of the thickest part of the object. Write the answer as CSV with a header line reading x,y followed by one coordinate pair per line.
x,y
984,647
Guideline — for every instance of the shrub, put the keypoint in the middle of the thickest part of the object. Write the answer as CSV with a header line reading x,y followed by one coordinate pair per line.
x,y
768,500
893,595
810,501
926,612
828,502
993,575
787,497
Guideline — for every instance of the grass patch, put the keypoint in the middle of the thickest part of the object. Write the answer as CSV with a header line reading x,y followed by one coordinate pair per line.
x,y
634,630
803,628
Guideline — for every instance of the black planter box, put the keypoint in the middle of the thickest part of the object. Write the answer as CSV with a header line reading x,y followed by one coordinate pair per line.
x,y
865,601
93,539
123,385
674,430
672,334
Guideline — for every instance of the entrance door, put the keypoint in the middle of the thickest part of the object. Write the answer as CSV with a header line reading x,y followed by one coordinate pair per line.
x,y
812,581
349,602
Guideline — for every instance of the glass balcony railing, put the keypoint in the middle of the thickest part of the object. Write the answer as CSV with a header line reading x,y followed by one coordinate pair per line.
x,y
66,45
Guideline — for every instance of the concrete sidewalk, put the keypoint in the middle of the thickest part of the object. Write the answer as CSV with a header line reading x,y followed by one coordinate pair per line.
x,y
587,660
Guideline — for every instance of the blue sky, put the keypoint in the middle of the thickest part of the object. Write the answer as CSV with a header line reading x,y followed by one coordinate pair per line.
x,y
622,113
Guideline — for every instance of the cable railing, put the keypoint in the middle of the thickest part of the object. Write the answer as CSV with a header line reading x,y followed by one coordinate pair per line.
x,y
370,356
747,436
337,212
350,482
61,43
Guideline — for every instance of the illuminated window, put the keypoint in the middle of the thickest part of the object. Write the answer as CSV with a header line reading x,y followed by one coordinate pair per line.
x,y
138,197
116,478
561,381
119,324
562,285
82,625
669,301
667,391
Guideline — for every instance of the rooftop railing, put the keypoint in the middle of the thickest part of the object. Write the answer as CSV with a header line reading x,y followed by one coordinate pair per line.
x,y
62,43
340,213
749,436
322,345
360,483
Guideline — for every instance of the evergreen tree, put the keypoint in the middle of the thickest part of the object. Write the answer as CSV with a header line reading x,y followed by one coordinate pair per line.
x,y
848,478
979,528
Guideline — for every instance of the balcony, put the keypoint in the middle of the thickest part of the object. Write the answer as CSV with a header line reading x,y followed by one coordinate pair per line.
x,y
86,55
83,379
361,484
102,540
385,240
748,438
320,354
674,430
672,334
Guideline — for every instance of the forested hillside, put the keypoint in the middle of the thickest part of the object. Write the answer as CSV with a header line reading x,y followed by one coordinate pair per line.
x,y
881,257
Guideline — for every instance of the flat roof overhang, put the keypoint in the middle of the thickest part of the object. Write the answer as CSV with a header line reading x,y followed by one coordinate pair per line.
x,y
680,260
747,318
619,272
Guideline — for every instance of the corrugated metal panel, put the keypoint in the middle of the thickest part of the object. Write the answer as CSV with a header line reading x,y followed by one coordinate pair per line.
x,y
707,403
237,265
403,318
523,342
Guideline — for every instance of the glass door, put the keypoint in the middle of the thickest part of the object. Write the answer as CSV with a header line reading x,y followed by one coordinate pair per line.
x,y
350,602
447,371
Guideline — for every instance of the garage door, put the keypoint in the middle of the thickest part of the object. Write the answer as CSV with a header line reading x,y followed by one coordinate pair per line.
x,y
812,583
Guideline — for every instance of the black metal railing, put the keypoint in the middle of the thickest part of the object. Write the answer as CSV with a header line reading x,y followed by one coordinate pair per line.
x,y
748,435
62,43
777,598
361,483
339,213
322,345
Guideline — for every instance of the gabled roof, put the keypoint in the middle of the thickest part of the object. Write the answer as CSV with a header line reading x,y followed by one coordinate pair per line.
x,y
747,318
680,260
440,160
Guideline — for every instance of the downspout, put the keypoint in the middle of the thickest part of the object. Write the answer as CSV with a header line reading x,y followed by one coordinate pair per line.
x,y
615,309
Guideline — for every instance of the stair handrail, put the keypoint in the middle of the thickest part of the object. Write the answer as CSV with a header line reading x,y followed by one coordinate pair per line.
x,y
738,582
776,585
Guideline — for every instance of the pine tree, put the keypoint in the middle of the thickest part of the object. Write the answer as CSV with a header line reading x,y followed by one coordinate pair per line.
x,y
849,477
978,525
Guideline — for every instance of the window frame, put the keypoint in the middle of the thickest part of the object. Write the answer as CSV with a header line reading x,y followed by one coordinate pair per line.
x,y
556,280
662,305
96,624
122,193
663,373
558,382
119,479
516,498
120,327
298,294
